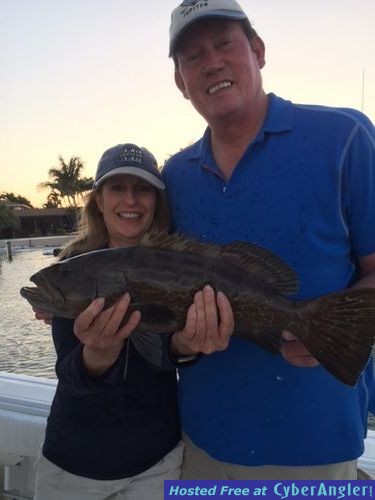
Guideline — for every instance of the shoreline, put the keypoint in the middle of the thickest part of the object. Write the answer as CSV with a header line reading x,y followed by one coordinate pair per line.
x,y
36,242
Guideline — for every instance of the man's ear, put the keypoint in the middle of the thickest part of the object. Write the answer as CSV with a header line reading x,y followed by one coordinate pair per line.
x,y
260,50
180,83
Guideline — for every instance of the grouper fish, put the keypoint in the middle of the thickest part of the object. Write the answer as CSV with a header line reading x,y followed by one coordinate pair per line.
x,y
163,273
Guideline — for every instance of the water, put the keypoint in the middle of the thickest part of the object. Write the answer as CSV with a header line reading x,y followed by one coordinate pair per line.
x,y
26,345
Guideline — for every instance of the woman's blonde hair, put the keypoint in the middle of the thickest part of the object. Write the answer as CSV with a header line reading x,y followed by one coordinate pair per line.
x,y
92,233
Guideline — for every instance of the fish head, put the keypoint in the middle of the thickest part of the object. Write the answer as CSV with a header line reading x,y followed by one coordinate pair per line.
x,y
60,290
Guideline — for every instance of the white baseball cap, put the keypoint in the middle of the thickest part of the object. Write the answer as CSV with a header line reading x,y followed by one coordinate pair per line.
x,y
191,11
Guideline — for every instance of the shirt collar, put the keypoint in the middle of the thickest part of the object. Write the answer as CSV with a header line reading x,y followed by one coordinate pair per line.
x,y
279,118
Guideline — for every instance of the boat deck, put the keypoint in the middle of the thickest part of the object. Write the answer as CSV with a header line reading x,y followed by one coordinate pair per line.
x,y
24,406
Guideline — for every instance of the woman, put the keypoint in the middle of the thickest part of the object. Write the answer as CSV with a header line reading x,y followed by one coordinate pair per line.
x,y
113,430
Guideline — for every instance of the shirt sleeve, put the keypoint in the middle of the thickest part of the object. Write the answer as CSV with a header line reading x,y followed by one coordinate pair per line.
x,y
359,188
70,369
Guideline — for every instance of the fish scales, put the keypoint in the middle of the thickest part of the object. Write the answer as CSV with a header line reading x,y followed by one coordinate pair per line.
x,y
152,275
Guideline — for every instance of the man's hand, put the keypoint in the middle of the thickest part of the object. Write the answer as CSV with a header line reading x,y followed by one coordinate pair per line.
x,y
209,325
295,352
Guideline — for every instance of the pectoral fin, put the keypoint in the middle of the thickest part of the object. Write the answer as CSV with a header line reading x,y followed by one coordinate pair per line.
x,y
149,346
155,318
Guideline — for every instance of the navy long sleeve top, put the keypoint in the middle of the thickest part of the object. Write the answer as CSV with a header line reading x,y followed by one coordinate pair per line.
x,y
113,426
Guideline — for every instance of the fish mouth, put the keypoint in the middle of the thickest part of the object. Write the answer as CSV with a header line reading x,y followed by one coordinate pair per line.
x,y
45,296
34,295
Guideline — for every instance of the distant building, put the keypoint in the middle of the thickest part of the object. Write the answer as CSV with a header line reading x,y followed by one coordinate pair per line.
x,y
15,206
40,221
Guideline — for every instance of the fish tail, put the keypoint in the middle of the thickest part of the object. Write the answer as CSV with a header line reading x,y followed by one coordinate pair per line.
x,y
338,330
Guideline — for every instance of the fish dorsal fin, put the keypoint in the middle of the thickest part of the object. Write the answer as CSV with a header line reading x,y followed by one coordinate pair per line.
x,y
256,260
264,264
180,243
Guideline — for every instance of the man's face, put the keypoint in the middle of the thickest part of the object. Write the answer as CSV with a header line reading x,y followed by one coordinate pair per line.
x,y
218,70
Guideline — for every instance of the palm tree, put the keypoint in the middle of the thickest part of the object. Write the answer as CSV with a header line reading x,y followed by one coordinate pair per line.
x,y
53,200
67,183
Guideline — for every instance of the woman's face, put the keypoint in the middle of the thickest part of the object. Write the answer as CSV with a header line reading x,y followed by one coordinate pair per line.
x,y
128,207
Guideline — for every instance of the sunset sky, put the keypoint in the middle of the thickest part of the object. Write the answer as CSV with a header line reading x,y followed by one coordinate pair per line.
x,y
78,76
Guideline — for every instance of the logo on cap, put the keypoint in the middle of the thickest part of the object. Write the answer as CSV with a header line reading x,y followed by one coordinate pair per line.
x,y
189,3
192,6
132,155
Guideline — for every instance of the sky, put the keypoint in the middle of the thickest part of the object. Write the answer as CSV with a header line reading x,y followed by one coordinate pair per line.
x,y
79,76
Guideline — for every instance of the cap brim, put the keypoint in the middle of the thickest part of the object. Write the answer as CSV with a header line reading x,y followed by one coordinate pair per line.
x,y
219,14
137,172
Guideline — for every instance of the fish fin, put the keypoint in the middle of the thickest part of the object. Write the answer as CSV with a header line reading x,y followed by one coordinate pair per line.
x,y
263,264
110,285
255,259
338,330
269,340
155,317
149,346
179,243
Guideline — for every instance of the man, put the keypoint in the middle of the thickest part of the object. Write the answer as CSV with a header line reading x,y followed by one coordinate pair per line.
x,y
300,181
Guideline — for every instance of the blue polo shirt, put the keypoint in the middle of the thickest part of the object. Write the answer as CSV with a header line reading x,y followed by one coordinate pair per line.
x,y
304,189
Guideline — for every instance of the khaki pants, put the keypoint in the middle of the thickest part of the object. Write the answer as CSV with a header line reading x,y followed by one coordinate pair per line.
x,y
53,483
199,465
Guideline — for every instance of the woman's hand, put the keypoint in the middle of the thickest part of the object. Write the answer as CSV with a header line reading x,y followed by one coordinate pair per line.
x,y
43,316
209,325
100,332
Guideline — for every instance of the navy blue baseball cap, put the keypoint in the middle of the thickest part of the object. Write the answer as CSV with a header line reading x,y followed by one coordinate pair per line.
x,y
131,160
